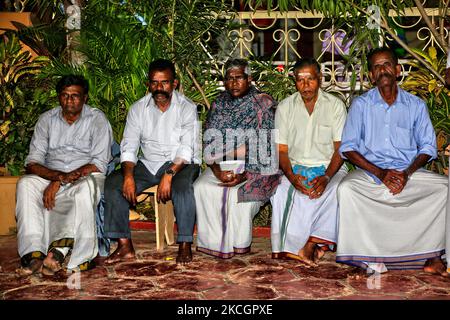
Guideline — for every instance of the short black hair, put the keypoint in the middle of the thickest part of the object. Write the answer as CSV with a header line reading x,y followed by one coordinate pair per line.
x,y
307,62
72,80
381,50
161,65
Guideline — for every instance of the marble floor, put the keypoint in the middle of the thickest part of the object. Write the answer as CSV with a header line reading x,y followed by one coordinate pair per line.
x,y
254,276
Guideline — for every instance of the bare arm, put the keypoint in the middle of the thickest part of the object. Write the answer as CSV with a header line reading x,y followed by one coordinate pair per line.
x,y
129,186
286,167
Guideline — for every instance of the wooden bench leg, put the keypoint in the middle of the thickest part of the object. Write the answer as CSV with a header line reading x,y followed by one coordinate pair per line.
x,y
169,218
160,222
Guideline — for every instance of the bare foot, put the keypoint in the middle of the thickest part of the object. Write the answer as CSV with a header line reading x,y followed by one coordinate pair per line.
x,y
434,266
33,267
305,255
184,253
318,253
99,260
50,265
124,252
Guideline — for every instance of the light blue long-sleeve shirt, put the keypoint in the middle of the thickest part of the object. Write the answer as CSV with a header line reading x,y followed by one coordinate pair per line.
x,y
390,137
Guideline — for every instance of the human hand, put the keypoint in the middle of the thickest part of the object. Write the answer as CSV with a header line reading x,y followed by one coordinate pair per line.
x,y
297,181
318,186
164,192
69,177
129,189
223,176
234,179
50,194
395,180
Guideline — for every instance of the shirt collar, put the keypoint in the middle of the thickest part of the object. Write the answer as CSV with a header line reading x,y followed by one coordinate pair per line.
x,y
400,99
320,98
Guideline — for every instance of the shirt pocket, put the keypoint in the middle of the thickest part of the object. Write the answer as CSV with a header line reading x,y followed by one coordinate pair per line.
x,y
324,134
403,138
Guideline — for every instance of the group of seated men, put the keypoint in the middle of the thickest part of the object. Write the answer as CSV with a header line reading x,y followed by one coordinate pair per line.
x,y
387,213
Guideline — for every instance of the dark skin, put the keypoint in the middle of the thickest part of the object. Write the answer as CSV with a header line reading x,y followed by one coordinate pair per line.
x,y
237,83
161,85
71,99
307,82
383,74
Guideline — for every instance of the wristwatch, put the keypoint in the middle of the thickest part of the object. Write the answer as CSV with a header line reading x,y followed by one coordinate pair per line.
x,y
170,171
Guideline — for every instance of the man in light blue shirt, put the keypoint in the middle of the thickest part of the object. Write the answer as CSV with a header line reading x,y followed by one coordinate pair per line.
x,y
392,211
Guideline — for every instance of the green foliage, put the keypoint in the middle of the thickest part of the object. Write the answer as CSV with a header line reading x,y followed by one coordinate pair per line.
x,y
118,48
21,100
424,84
274,81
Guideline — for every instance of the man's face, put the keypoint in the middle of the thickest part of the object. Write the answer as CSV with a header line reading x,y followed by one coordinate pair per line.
x,y
161,85
72,99
307,82
383,72
237,83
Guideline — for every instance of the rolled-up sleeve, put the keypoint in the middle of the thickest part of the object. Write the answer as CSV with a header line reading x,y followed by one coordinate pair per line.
x,y
424,133
281,126
101,143
131,136
189,148
351,135
39,142
340,114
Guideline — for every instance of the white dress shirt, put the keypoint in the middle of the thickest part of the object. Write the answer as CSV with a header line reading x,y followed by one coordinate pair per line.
x,y
161,136
58,145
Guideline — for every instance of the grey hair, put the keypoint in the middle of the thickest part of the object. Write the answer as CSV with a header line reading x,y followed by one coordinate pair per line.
x,y
238,63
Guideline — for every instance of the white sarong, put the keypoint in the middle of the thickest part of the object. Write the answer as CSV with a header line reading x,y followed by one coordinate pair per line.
x,y
402,231
72,218
296,218
224,226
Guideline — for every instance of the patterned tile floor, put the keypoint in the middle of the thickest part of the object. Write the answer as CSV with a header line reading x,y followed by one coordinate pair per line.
x,y
254,276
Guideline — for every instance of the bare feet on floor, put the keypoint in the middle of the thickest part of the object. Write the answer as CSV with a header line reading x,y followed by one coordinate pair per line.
x,y
318,253
51,265
99,260
184,253
35,266
435,266
124,252
305,255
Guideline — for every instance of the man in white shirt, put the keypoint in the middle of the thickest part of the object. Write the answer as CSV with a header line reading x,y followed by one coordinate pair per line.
x,y
305,207
164,126
57,199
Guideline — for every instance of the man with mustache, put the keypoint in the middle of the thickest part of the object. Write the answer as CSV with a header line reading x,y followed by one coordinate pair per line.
x,y
305,206
164,126
392,211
